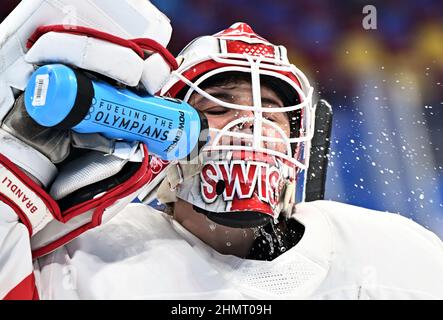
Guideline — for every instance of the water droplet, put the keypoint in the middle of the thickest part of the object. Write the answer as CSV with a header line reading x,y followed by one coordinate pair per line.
x,y
256,232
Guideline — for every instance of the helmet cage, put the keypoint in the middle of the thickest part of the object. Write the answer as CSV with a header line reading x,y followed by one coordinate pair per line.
x,y
257,66
208,56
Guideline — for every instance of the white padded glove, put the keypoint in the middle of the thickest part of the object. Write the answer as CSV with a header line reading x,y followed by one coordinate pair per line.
x,y
56,192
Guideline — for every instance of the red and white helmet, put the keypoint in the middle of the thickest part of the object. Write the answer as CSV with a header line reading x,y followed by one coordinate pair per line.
x,y
246,184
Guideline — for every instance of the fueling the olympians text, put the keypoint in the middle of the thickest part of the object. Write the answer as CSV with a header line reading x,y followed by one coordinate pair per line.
x,y
132,120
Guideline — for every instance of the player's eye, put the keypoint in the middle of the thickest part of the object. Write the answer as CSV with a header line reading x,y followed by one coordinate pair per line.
x,y
276,117
215,111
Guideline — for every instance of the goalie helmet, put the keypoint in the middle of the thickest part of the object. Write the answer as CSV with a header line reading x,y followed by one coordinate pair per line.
x,y
245,177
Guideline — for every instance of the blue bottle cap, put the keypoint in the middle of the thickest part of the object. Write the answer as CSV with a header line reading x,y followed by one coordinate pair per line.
x,y
58,96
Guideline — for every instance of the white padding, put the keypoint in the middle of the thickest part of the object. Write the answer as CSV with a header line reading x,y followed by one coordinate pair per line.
x,y
15,256
124,18
112,60
155,73
84,171
27,158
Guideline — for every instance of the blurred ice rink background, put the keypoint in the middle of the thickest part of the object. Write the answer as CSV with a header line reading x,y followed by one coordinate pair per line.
x,y
385,86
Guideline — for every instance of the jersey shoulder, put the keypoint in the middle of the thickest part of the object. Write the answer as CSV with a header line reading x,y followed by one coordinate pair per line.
x,y
383,249
372,224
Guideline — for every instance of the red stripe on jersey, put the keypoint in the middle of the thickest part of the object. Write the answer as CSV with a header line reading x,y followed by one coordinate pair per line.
x,y
25,290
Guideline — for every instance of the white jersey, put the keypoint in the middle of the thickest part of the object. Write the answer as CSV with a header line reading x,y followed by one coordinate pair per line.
x,y
346,252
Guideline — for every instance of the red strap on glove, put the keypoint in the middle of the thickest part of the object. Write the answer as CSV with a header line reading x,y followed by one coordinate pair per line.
x,y
137,45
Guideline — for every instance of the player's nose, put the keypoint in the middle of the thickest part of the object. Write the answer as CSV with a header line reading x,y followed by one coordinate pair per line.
x,y
248,120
